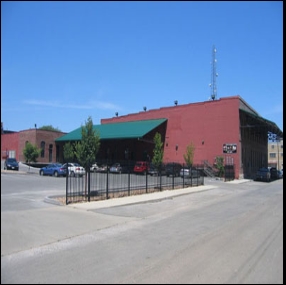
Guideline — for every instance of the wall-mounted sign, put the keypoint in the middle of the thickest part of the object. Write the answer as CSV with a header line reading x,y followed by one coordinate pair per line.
x,y
229,148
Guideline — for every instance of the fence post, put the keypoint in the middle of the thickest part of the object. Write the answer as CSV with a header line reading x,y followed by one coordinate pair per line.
x,y
160,180
128,181
107,170
191,169
67,183
173,176
183,175
88,182
146,181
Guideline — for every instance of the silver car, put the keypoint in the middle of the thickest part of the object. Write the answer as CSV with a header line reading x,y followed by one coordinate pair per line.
x,y
115,168
185,172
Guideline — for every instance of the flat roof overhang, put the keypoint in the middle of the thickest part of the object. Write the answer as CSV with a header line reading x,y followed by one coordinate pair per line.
x,y
259,122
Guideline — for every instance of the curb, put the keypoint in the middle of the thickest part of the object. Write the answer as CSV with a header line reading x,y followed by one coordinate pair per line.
x,y
16,172
51,200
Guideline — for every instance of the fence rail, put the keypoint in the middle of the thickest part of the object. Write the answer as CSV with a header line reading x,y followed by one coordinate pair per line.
x,y
94,186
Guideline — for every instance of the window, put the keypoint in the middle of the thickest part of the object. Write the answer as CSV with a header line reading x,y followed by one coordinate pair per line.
x,y
272,155
50,153
43,144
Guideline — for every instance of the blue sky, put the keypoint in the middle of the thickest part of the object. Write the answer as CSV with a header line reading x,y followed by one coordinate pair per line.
x,y
62,62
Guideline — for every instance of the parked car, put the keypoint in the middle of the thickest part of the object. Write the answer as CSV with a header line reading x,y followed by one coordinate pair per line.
x,y
186,173
102,168
118,168
94,167
74,169
11,164
173,169
153,170
273,173
280,174
141,167
54,169
263,174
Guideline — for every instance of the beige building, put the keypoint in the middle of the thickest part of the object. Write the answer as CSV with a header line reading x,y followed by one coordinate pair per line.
x,y
275,154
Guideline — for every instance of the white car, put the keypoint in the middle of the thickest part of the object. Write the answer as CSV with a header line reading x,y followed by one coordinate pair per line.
x,y
75,169
94,167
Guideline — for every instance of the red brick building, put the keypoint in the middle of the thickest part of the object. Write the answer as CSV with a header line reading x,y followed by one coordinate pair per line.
x,y
13,144
226,127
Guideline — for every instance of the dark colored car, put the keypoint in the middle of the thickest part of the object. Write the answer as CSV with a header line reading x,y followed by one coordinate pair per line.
x,y
54,169
11,164
173,169
263,174
274,173
154,171
280,174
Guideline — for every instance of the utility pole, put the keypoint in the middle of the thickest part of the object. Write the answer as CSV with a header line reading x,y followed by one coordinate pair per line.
x,y
214,75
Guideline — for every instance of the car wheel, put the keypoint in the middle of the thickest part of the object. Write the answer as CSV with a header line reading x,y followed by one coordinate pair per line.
x,y
41,172
72,174
56,174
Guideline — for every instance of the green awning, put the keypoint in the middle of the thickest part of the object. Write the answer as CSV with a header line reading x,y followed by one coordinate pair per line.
x,y
124,130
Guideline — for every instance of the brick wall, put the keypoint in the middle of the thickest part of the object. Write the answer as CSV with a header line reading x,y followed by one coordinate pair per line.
x,y
208,125
17,141
10,143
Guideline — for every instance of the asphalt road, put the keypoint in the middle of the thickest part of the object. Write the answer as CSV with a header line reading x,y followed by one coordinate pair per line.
x,y
230,234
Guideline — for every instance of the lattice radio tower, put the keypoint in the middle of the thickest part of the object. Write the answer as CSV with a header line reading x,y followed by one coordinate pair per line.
x,y
214,75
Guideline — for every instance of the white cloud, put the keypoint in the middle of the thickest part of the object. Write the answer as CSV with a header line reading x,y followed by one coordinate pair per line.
x,y
88,105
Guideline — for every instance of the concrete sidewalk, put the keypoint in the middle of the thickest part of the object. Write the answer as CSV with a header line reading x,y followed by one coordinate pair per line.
x,y
135,199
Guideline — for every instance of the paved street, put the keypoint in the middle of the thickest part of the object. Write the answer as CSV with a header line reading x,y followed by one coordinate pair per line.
x,y
223,232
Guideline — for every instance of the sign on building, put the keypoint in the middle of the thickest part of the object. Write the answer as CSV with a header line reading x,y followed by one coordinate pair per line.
x,y
229,148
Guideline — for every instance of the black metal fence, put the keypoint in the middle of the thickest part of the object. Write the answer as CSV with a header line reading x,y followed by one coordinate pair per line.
x,y
104,184
229,172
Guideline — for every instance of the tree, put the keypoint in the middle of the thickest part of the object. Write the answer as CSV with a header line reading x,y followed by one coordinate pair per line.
x,y
87,148
189,155
31,153
220,165
157,151
68,152
49,128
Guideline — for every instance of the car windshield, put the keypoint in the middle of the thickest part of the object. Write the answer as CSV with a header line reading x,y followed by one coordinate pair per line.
x,y
11,160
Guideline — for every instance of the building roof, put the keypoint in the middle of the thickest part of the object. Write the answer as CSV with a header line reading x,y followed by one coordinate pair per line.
x,y
264,123
123,130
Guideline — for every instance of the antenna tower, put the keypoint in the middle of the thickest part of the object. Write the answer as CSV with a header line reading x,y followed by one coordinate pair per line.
x,y
213,74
